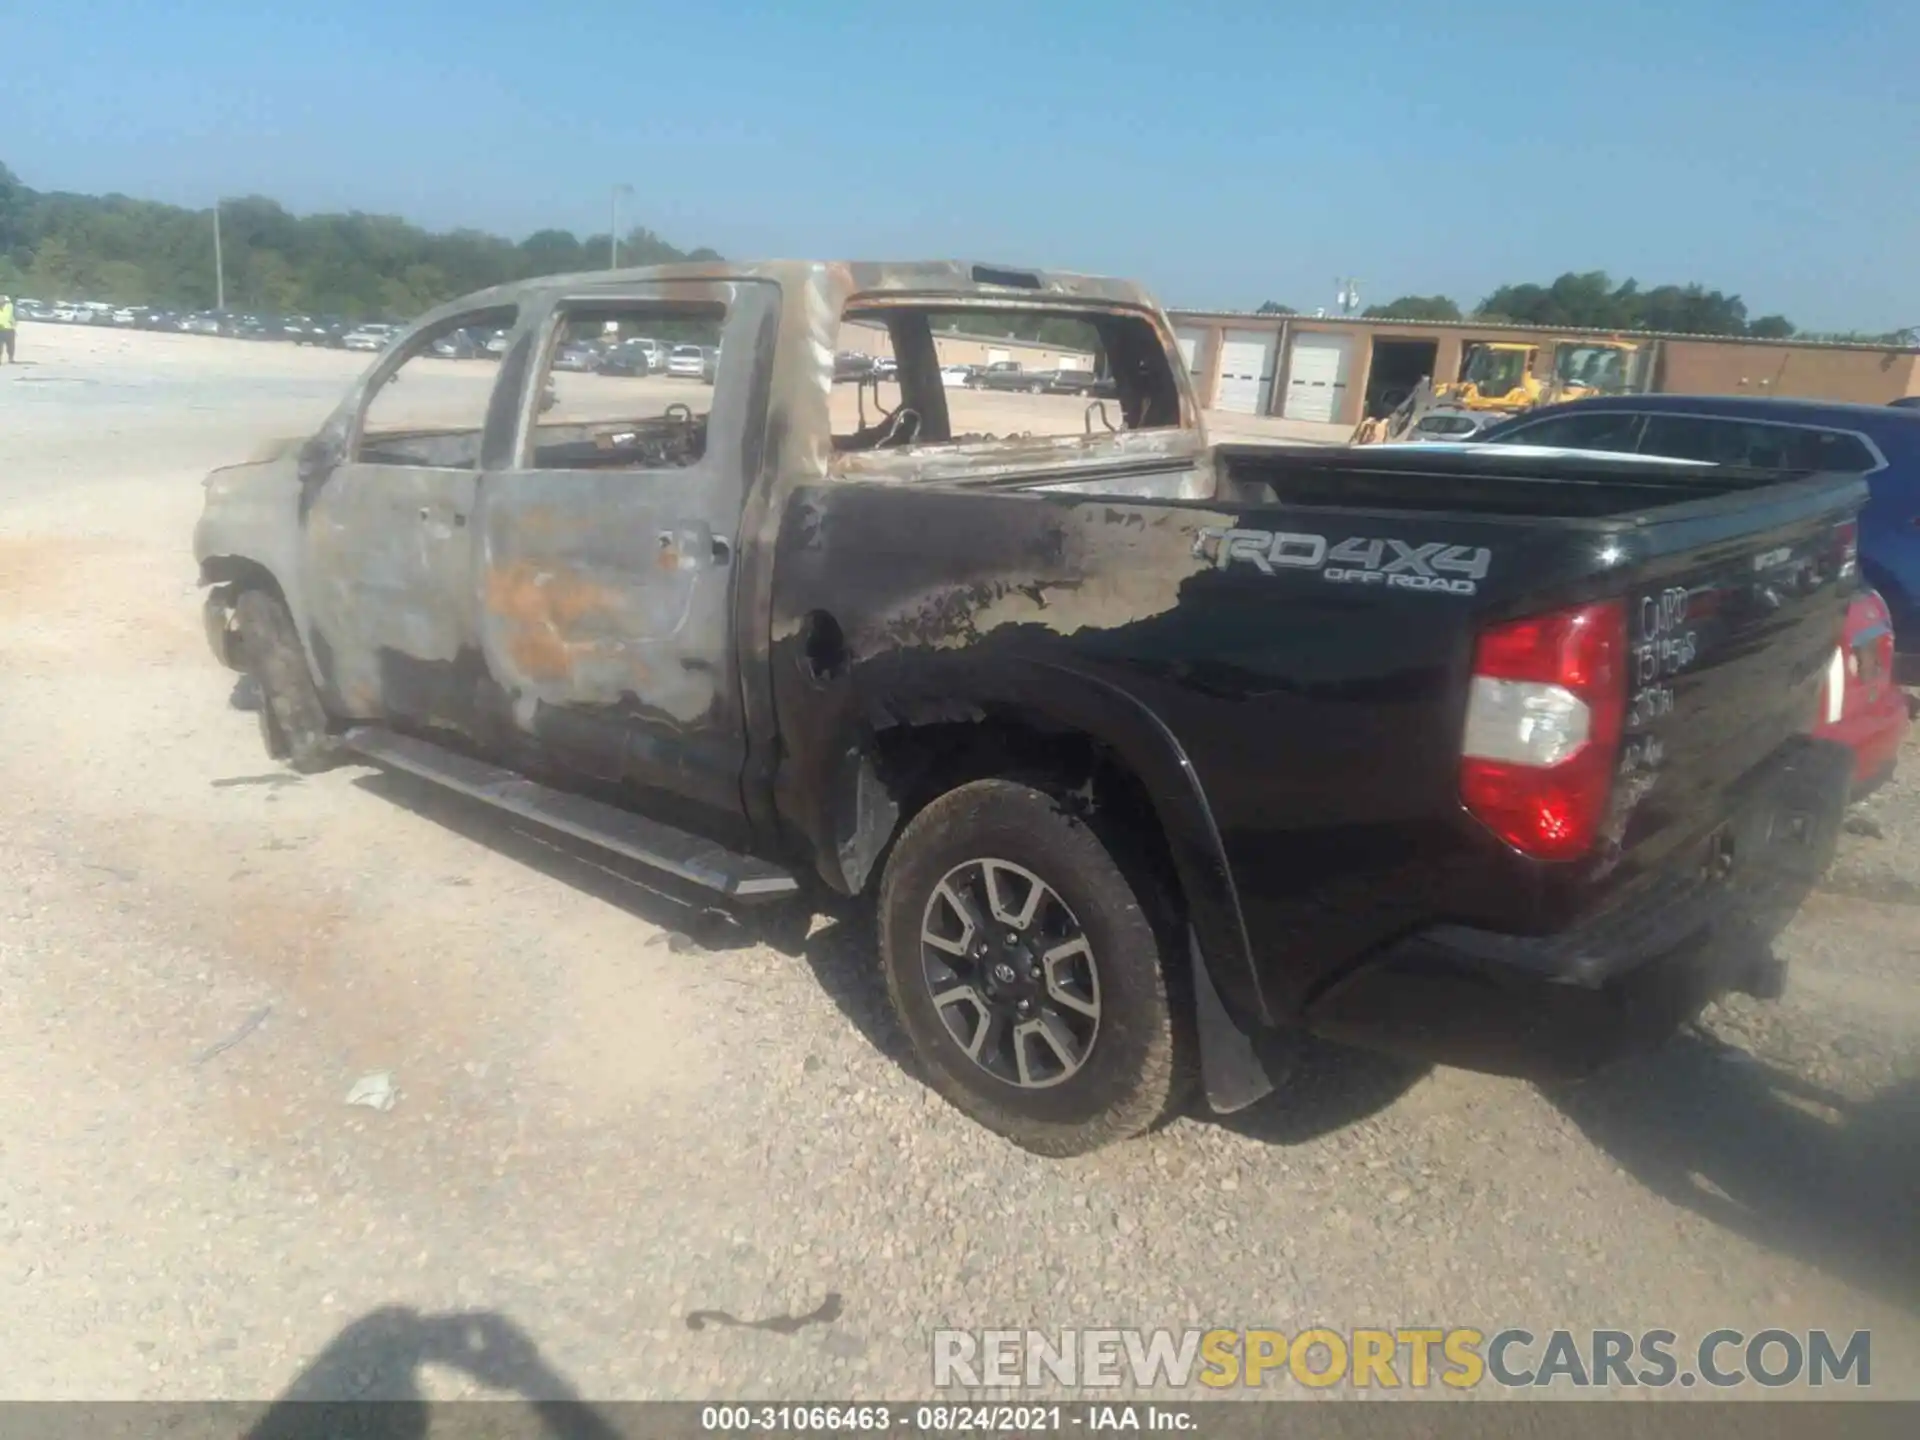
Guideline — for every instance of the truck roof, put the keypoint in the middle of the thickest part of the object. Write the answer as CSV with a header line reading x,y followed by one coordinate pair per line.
x,y
814,297
841,279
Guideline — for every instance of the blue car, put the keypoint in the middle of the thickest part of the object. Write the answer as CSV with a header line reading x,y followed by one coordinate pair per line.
x,y
1881,442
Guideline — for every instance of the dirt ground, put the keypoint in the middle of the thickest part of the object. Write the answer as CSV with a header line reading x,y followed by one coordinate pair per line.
x,y
616,1113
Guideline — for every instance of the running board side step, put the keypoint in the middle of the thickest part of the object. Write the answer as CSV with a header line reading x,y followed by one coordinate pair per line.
x,y
701,862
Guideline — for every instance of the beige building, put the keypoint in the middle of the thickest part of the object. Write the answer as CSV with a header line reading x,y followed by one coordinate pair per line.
x,y
1339,371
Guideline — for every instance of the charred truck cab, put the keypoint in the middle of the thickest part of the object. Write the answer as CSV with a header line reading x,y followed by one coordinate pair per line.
x,y
1143,748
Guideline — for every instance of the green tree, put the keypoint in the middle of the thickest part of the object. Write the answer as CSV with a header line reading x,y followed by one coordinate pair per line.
x,y
54,272
1414,307
268,281
1274,307
121,281
14,198
1584,301
1590,301
111,247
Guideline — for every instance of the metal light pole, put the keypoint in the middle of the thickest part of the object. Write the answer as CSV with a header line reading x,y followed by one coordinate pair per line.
x,y
219,270
613,226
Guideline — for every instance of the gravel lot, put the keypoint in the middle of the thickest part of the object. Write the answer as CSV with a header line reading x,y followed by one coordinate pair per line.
x,y
615,1111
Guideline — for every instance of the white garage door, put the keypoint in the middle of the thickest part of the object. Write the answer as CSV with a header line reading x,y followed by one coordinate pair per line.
x,y
1193,350
1317,376
1246,371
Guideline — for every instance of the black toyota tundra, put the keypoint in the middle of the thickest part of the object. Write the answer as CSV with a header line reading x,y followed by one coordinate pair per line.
x,y
1147,750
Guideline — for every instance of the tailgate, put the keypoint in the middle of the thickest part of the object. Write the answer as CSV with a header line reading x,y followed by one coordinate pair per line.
x,y
1731,633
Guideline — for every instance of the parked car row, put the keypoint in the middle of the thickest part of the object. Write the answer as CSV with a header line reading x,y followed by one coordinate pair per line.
x,y
998,375
1066,380
639,355
73,312
330,331
852,365
634,356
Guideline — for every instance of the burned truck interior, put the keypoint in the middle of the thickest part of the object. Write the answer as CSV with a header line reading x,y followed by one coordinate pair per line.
x,y
914,406
414,415
596,421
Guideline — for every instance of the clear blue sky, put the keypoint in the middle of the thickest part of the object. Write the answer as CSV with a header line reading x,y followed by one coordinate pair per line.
x,y
1224,153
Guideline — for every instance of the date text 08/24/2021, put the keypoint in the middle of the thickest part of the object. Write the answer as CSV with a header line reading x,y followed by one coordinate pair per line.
x,y
945,1419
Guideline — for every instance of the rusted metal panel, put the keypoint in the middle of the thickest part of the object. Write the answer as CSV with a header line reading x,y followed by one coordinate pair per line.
x,y
386,571
588,603
637,610
1177,455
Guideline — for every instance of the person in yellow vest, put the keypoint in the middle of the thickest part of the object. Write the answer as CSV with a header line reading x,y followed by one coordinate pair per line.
x,y
6,327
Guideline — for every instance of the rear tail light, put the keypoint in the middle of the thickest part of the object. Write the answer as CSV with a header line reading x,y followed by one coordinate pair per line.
x,y
1876,623
1544,716
1846,537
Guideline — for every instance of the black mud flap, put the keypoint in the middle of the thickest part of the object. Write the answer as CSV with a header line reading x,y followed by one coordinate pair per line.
x,y
1230,1068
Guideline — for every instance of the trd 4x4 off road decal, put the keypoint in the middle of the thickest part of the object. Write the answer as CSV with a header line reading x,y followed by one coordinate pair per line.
x,y
1398,564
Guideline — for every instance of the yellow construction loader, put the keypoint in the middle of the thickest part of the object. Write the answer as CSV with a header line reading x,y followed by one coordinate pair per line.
x,y
1606,367
1496,375
1499,375
1497,379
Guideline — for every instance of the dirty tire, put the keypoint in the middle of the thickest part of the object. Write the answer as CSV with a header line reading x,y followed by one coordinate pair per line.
x,y
1134,1073
293,722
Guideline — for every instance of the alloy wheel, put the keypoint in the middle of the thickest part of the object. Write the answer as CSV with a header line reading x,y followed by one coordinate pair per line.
x,y
1011,972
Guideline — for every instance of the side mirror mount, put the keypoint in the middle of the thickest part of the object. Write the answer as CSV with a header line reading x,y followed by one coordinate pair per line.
x,y
317,458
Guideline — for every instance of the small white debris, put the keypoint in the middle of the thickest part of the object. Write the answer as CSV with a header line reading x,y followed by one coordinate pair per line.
x,y
374,1091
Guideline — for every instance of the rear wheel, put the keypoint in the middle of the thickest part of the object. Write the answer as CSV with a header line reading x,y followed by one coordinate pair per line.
x,y
1027,973
293,721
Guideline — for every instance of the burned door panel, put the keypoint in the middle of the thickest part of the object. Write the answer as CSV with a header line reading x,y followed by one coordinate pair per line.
x,y
387,547
606,560
389,562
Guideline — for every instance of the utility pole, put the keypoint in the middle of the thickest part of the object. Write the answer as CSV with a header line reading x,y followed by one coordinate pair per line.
x,y
219,270
613,226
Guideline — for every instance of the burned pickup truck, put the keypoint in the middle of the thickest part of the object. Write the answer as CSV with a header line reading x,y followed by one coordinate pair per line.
x,y
1151,753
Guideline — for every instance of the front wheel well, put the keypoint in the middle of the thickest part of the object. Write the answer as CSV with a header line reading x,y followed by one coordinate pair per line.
x,y
240,573
226,578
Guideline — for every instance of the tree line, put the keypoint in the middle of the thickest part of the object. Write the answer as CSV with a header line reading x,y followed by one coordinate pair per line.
x,y
139,252
55,245
1592,301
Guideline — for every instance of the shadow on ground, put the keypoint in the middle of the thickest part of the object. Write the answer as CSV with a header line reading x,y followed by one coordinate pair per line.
x,y
1322,1087
1786,1163
832,934
367,1382
704,919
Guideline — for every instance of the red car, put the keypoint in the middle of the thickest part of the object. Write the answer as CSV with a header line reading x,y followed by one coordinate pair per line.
x,y
1861,706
